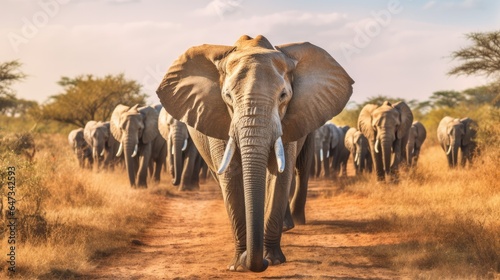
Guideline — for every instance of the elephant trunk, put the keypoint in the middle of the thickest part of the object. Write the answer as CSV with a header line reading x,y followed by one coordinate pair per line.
x,y
386,155
454,152
177,145
130,162
409,151
254,154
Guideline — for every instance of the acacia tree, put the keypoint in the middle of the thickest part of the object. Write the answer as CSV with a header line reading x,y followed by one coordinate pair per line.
x,y
482,57
9,73
88,98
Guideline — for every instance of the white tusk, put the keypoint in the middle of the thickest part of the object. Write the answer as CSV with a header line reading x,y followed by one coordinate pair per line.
x,y
228,155
120,150
356,158
135,151
280,154
185,145
102,153
321,154
328,154
449,150
376,146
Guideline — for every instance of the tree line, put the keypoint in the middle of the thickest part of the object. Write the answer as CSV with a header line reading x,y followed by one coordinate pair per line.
x,y
88,97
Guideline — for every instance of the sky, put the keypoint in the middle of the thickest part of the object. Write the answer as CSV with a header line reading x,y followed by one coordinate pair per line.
x,y
395,48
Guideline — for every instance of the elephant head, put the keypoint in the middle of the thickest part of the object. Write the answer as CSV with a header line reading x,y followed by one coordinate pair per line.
x,y
454,134
255,96
386,127
135,129
416,138
97,135
176,135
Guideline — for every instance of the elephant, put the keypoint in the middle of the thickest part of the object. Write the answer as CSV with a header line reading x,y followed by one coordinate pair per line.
x,y
80,148
416,138
387,128
454,134
184,160
339,153
136,130
357,144
103,146
323,137
249,108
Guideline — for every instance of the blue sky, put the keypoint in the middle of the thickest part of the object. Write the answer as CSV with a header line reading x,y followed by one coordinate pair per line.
x,y
398,48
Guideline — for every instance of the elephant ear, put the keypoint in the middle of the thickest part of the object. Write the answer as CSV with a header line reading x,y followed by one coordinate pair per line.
x,y
163,123
115,121
107,132
349,138
421,133
321,89
470,130
150,120
191,90
87,131
406,119
365,121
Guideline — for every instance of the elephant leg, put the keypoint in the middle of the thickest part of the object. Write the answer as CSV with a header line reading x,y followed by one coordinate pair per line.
x,y
379,165
189,181
303,165
231,184
276,203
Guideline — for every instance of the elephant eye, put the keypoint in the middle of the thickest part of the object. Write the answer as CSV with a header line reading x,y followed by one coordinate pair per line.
x,y
283,95
228,97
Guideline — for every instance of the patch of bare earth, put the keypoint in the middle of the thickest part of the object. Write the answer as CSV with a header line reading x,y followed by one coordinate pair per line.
x,y
191,239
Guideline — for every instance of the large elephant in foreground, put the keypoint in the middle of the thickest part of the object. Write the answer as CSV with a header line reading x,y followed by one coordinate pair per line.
x,y
80,148
249,108
136,129
357,144
454,134
416,138
386,127
184,160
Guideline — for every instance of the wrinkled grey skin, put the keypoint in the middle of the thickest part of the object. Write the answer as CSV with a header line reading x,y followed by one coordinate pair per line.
x,y
357,144
184,160
251,104
80,148
137,129
457,134
416,138
386,127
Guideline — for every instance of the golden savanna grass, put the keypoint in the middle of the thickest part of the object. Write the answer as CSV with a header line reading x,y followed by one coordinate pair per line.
x,y
448,220
68,217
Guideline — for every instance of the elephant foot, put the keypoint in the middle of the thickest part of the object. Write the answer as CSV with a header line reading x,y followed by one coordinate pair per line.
x,y
288,223
274,255
299,218
239,264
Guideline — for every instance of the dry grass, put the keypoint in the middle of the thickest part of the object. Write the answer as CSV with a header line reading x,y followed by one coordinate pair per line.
x,y
68,217
449,219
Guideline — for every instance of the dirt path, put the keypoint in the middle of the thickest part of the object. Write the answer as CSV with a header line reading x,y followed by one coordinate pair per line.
x,y
192,240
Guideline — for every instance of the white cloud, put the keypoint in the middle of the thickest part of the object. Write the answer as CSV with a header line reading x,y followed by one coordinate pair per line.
x,y
221,8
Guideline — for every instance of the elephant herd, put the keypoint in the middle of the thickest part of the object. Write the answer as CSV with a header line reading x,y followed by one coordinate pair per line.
x,y
256,115
139,140
386,137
